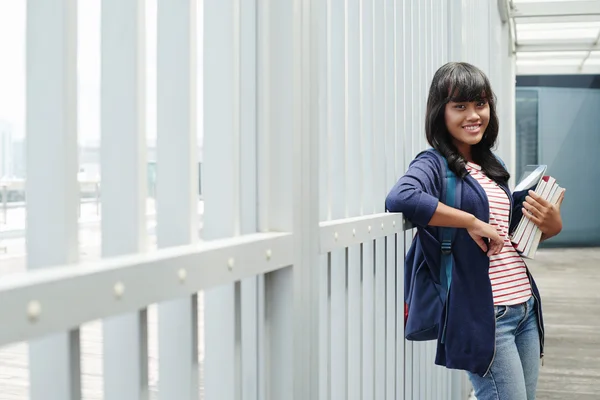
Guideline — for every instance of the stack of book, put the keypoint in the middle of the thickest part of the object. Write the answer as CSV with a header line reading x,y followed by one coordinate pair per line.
x,y
527,236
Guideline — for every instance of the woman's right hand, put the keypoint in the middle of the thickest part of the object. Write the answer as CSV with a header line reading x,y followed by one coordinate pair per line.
x,y
479,230
451,217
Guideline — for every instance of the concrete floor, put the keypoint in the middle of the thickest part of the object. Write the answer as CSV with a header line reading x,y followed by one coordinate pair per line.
x,y
569,282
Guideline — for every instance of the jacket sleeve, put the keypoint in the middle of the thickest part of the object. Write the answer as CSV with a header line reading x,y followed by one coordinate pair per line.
x,y
416,194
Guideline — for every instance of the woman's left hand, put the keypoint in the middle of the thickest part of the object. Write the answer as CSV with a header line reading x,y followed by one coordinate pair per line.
x,y
544,214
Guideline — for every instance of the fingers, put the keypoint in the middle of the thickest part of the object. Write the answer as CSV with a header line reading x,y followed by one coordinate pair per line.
x,y
536,199
481,243
496,247
538,209
529,215
531,209
533,203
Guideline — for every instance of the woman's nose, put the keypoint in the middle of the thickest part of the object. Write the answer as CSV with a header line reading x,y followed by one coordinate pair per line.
x,y
473,115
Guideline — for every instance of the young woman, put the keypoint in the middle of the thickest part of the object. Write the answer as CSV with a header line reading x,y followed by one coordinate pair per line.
x,y
493,323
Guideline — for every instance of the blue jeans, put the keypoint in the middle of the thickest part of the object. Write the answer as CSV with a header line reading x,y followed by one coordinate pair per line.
x,y
515,369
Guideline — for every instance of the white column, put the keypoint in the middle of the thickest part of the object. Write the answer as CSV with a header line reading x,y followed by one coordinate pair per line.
x,y
336,108
354,186
400,133
367,199
124,192
221,175
504,84
390,177
413,76
279,95
307,277
177,188
252,289
418,373
379,193
320,9
51,186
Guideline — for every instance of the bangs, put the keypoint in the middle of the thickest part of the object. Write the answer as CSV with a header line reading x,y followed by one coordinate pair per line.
x,y
464,84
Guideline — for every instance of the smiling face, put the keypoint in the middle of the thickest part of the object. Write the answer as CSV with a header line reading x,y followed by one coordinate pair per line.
x,y
461,111
466,122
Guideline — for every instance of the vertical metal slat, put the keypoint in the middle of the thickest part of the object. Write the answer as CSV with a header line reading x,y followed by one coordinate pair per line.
x,y
280,86
221,189
368,196
337,176
250,287
123,166
353,195
177,189
52,203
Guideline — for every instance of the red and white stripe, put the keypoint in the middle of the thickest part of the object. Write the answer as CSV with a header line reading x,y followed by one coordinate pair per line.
x,y
508,275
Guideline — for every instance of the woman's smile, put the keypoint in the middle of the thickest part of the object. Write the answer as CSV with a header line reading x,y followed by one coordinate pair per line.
x,y
473,128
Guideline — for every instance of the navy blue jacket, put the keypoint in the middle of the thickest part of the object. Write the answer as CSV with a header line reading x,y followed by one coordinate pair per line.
x,y
470,321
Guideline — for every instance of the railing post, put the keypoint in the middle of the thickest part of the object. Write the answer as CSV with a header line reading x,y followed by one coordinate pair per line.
x,y
401,62
336,132
252,289
177,189
51,186
368,201
390,177
220,186
123,162
320,101
354,185
279,126
378,170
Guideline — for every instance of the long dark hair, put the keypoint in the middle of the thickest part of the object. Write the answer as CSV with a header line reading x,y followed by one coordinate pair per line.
x,y
463,82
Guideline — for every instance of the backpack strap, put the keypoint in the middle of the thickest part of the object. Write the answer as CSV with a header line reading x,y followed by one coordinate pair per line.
x,y
448,234
451,195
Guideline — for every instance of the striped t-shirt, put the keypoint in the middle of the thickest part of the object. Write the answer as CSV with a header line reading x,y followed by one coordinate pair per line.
x,y
510,284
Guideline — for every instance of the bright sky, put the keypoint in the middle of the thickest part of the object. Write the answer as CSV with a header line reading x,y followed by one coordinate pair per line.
x,y
12,66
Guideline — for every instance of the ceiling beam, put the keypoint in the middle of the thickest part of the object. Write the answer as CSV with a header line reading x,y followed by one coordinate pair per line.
x,y
556,47
559,19
557,70
556,9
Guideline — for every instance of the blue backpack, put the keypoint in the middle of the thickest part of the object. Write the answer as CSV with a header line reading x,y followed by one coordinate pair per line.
x,y
428,269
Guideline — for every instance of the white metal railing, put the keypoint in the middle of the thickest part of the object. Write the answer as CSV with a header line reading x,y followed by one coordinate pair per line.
x,y
311,111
